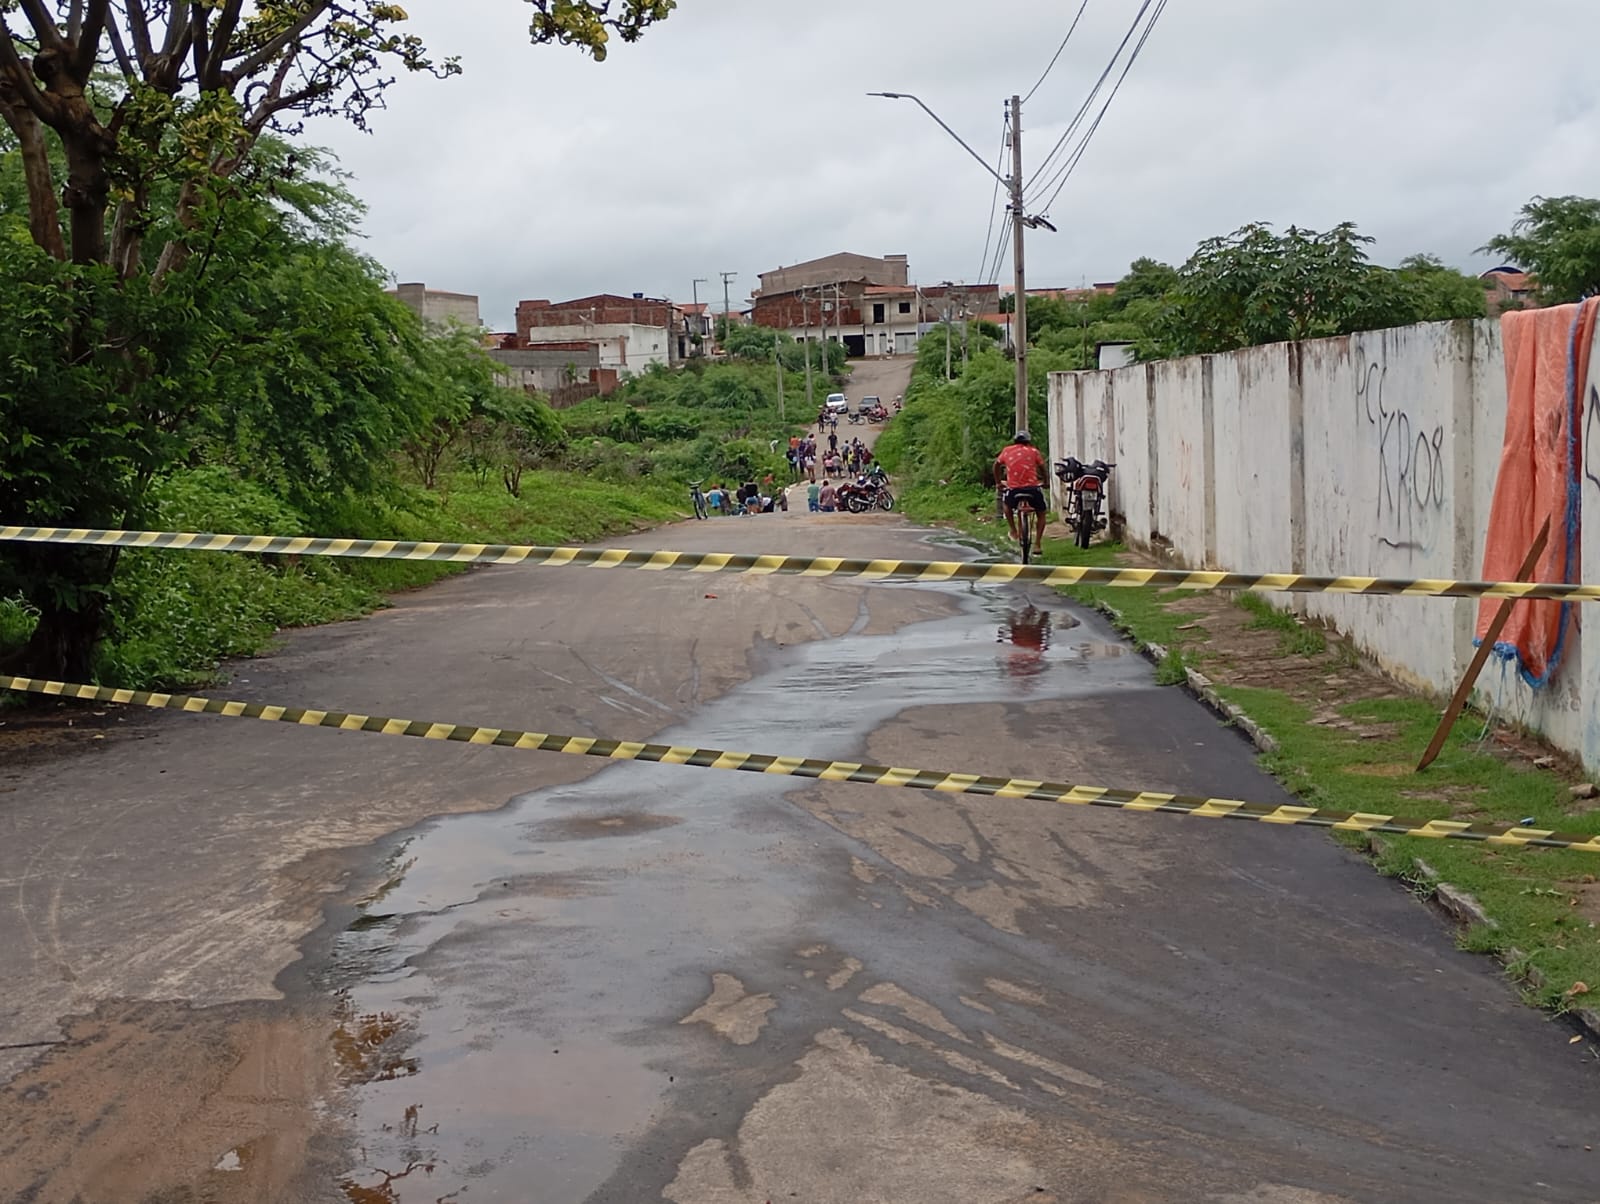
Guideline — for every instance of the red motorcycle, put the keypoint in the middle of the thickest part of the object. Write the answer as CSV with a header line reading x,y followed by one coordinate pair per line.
x,y
1086,496
866,493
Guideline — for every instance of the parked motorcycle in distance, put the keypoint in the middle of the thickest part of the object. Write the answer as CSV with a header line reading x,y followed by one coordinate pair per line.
x,y
1086,497
866,493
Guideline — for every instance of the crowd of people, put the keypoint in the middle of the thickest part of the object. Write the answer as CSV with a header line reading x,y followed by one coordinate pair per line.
x,y
808,453
809,456
749,498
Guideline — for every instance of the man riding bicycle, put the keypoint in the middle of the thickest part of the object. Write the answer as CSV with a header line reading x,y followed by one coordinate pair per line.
x,y
1020,468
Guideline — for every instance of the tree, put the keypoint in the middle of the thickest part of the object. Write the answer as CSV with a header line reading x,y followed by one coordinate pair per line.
x,y
1436,292
133,132
1557,240
1146,280
1255,286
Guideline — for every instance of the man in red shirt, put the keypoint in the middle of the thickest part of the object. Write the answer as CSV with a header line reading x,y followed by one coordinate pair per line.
x,y
1021,469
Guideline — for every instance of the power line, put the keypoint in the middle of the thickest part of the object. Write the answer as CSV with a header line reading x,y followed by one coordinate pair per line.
x,y
1070,31
1058,179
994,198
1048,163
991,273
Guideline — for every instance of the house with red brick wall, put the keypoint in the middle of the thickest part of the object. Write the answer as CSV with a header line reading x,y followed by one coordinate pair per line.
x,y
1508,288
631,333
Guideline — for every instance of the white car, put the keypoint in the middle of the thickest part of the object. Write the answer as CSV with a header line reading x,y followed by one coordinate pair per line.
x,y
838,402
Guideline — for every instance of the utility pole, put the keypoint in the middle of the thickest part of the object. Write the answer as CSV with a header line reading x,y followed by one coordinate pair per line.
x,y
805,318
778,361
949,299
727,320
1018,223
1019,219
947,336
695,287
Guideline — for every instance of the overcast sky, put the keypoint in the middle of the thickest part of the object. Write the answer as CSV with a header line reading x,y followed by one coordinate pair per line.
x,y
737,136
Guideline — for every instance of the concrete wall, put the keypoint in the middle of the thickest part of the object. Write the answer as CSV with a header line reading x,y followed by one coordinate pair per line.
x,y
544,369
624,346
1370,455
437,306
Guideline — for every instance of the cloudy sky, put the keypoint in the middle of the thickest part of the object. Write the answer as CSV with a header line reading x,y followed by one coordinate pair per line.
x,y
738,136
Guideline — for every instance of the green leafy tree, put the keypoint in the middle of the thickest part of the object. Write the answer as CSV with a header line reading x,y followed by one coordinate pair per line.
x,y
1437,292
1257,286
1557,240
132,132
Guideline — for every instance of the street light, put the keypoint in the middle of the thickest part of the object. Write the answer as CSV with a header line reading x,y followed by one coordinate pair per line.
x,y
1020,221
917,101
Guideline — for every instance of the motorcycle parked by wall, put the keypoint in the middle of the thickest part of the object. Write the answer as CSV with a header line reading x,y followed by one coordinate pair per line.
x,y
1086,497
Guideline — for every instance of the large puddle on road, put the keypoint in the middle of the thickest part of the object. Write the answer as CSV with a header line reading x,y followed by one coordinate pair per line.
x,y
519,979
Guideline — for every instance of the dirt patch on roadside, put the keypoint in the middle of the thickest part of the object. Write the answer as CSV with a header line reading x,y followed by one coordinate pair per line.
x,y
1223,640
164,1102
44,728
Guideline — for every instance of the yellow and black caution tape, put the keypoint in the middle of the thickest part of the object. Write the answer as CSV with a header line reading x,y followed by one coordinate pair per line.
x,y
805,566
832,771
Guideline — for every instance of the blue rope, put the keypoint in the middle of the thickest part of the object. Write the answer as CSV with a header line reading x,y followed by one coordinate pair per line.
x,y
1574,499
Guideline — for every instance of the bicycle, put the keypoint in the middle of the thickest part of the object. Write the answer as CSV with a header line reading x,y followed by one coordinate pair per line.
x,y
699,499
1025,533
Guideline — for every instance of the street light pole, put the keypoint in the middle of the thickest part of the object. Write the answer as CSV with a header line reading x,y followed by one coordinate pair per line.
x,y
1019,219
727,307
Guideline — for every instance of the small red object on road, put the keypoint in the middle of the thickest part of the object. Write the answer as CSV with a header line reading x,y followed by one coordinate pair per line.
x,y
711,595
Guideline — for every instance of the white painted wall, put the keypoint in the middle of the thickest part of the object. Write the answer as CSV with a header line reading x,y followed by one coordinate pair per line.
x,y
1181,400
625,346
1371,455
1132,484
1251,424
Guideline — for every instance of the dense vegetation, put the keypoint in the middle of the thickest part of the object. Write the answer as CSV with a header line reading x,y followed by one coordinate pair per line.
x,y
182,318
1250,287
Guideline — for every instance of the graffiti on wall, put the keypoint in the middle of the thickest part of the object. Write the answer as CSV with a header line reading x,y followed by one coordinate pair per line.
x,y
1411,480
1591,431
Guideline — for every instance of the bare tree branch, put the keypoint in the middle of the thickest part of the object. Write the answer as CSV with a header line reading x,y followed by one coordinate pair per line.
x,y
199,40
44,213
139,27
44,25
176,43
88,39
19,77
277,45
221,39
120,49
75,20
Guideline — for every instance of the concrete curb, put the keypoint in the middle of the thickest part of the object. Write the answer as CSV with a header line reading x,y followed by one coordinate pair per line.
x,y
1458,904
1197,683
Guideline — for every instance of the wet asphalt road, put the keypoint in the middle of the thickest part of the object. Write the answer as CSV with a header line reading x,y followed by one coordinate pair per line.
x,y
638,982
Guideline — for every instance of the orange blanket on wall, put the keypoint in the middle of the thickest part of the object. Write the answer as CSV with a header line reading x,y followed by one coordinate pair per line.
x,y
1547,369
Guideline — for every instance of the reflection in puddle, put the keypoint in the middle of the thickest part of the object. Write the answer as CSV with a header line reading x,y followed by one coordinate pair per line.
x,y
371,1048
548,950
1027,630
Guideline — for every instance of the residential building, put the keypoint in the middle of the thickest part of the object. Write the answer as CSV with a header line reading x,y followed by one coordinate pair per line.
x,y
697,320
833,269
566,373
1508,288
867,304
630,333
438,307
